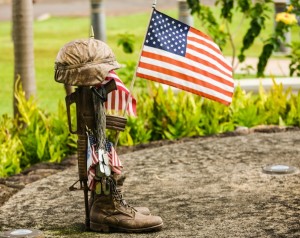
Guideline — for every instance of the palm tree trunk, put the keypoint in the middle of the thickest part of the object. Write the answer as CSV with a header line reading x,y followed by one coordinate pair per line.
x,y
22,17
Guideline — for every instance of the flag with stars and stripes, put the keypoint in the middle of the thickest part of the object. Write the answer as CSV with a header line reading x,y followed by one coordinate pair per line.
x,y
92,159
183,57
117,99
114,161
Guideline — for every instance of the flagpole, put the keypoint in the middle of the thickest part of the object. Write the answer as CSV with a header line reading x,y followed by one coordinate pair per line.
x,y
134,75
154,4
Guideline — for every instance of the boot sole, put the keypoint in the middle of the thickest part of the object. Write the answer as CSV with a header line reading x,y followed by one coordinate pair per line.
x,y
107,228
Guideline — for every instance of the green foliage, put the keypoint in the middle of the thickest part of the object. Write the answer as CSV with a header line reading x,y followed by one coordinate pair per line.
x,y
295,59
194,6
273,42
247,109
209,22
173,116
215,118
127,42
45,137
258,15
34,136
10,148
168,115
293,111
226,11
244,5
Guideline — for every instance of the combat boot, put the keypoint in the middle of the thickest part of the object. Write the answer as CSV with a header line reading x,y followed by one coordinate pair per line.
x,y
119,180
109,212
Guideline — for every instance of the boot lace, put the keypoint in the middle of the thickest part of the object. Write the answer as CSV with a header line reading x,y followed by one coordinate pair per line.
x,y
118,196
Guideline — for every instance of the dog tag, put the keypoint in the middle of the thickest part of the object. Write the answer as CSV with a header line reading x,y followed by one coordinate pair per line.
x,y
100,155
106,158
107,170
100,158
102,168
98,188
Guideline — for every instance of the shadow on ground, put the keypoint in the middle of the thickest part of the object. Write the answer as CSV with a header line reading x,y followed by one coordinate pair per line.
x,y
205,187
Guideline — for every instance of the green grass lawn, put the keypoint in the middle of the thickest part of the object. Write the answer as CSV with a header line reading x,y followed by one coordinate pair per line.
x,y
50,35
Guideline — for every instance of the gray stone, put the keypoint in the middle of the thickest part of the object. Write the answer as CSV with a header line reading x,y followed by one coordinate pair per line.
x,y
206,187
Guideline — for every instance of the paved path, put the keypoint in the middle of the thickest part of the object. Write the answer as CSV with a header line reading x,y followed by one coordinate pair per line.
x,y
82,7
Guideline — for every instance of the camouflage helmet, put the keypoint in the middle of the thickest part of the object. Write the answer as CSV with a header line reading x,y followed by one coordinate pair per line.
x,y
84,62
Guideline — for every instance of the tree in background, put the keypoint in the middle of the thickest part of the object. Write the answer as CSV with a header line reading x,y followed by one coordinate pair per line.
x,y
257,12
22,33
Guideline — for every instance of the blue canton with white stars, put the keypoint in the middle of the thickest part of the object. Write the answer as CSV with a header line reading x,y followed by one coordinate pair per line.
x,y
93,139
108,145
167,34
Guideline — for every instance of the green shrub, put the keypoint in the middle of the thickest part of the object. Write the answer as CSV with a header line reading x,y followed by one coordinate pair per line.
x,y
10,148
167,115
44,136
33,136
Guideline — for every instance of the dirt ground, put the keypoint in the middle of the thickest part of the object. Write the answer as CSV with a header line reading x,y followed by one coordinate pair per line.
x,y
201,187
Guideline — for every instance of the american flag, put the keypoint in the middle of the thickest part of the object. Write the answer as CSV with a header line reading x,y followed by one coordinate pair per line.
x,y
114,161
183,57
92,159
116,100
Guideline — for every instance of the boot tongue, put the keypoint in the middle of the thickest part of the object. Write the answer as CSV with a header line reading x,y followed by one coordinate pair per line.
x,y
122,200
117,193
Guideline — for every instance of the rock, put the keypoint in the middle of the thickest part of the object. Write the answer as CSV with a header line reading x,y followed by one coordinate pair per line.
x,y
206,187
5,193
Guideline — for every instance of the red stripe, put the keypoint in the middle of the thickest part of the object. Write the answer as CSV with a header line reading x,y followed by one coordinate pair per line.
x,y
183,88
113,102
120,100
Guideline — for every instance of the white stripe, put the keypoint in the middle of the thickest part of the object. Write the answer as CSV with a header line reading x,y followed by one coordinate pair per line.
x,y
123,100
187,84
116,103
187,61
187,72
130,108
109,99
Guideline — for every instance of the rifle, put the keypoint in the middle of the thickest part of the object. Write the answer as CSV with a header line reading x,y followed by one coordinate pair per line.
x,y
85,116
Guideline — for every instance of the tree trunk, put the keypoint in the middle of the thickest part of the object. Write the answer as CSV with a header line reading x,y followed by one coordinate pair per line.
x,y
22,33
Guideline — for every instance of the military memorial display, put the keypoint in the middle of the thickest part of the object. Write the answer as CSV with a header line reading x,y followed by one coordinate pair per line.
x,y
86,64
174,54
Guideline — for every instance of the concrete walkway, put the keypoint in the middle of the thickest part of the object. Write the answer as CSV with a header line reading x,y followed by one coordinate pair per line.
x,y
82,7
276,69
